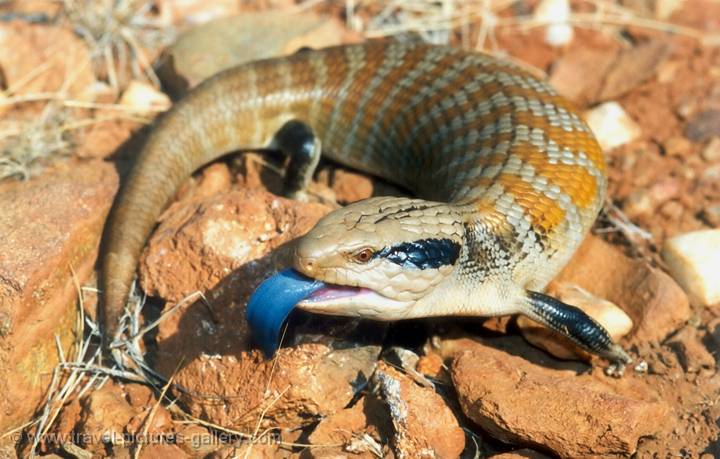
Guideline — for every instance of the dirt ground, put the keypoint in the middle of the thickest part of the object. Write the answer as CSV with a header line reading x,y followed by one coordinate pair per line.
x,y
660,60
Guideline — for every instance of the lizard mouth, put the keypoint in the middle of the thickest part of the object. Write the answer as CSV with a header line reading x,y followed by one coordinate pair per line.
x,y
271,304
334,292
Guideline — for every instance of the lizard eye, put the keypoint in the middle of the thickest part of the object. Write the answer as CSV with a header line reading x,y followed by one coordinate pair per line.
x,y
364,255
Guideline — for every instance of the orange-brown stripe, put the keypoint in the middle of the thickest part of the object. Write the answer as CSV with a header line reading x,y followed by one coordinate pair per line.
x,y
574,141
574,180
545,214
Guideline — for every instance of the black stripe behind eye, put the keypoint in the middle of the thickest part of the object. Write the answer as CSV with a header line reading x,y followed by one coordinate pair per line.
x,y
422,254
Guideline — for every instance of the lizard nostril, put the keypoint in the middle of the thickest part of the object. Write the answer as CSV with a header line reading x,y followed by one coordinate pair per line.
x,y
308,265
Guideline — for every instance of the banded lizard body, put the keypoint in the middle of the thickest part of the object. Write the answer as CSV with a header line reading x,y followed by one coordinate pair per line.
x,y
509,180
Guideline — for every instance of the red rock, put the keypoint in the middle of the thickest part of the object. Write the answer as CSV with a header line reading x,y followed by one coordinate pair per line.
x,y
350,429
638,204
196,440
520,454
160,423
68,418
106,137
633,67
520,402
201,240
712,214
579,74
644,201
678,146
652,299
350,186
162,451
139,396
228,381
424,424
672,210
51,225
302,383
255,451
47,7
430,365
61,56
339,428
691,352
215,179
104,418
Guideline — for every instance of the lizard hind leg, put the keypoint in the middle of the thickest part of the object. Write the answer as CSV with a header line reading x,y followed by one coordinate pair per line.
x,y
575,324
296,140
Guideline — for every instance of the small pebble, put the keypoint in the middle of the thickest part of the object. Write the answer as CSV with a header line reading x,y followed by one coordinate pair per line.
x,y
712,215
711,152
672,210
557,13
711,174
641,367
677,146
612,125
144,97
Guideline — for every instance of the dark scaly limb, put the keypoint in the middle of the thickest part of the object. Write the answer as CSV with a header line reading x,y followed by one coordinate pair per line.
x,y
574,323
297,140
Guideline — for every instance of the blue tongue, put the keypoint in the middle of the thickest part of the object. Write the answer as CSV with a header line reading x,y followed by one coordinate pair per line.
x,y
272,302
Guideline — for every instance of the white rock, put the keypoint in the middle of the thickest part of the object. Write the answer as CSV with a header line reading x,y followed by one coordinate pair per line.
x,y
557,13
144,97
694,262
611,125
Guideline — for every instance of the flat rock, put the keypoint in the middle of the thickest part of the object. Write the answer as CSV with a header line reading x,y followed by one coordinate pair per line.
x,y
203,238
51,226
652,299
579,73
59,59
224,245
243,390
520,402
632,67
424,424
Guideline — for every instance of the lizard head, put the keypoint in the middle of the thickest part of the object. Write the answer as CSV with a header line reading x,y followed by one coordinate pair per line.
x,y
377,259
379,256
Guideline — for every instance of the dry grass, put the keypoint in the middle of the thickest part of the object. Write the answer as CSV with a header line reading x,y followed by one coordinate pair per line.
x,y
28,146
476,22
117,33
